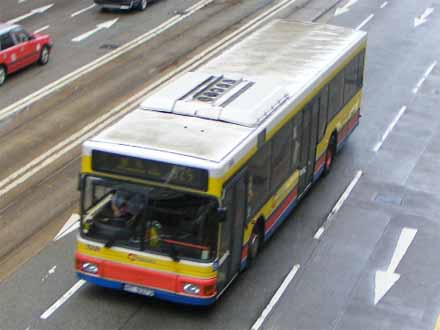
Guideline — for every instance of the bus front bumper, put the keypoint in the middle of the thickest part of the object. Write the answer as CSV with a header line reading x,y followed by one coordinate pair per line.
x,y
146,282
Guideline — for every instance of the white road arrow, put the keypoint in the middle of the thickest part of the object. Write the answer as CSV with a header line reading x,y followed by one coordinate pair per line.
x,y
31,13
419,20
71,225
344,9
384,280
105,25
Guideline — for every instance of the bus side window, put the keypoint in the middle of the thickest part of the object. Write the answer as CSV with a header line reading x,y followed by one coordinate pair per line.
x,y
296,138
258,179
280,156
350,81
336,95
360,68
323,99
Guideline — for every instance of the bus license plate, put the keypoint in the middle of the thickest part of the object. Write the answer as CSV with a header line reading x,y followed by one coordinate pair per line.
x,y
139,290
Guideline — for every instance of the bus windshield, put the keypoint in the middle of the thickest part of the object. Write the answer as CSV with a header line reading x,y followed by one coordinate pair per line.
x,y
147,218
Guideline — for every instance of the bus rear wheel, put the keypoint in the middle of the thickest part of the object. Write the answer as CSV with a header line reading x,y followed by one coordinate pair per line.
x,y
330,155
255,243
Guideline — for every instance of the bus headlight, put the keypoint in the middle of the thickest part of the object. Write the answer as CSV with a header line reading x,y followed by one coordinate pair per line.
x,y
89,267
191,288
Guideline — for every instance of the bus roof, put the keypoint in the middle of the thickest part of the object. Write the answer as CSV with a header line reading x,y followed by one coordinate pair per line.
x,y
207,113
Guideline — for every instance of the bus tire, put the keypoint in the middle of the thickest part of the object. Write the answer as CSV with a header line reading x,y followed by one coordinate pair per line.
x,y
330,155
3,74
256,242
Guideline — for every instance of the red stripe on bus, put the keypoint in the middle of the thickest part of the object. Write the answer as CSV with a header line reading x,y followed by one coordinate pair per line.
x,y
320,162
289,199
145,277
244,252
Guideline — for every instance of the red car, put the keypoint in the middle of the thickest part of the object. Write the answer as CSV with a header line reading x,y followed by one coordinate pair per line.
x,y
19,49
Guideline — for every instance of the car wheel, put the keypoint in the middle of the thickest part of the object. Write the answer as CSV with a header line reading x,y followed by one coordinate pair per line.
x,y
142,5
44,56
2,75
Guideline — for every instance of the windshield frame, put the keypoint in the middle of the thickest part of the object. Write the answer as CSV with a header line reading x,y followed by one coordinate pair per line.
x,y
90,212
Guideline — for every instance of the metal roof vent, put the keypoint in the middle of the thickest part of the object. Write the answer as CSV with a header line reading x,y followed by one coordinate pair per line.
x,y
215,90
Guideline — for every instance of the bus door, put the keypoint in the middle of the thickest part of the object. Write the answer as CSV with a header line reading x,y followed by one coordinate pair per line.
x,y
308,144
231,239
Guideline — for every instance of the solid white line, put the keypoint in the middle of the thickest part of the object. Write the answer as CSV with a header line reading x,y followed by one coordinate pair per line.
x,y
425,75
389,129
365,22
42,29
257,325
62,300
319,232
82,10
338,205
26,172
384,5
63,81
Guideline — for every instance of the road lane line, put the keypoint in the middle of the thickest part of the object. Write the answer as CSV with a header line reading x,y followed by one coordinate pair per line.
x,y
42,29
62,300
389,129
338,205
257,325
425,75
63,81
26,172
82,10
365,22
384,5
31,13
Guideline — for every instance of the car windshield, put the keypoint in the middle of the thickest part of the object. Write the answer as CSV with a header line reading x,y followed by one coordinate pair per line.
x,y
146,218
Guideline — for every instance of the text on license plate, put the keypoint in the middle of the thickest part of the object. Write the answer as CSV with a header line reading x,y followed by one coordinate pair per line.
x,y
138,290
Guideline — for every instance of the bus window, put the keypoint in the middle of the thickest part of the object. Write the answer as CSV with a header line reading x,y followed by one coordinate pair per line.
x,y
350,80
280,156
258,179
296,138
336,93
323,99
361,64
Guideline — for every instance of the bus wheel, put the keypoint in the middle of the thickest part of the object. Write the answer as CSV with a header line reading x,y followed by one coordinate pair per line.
x,y
330,155
255,243
2,74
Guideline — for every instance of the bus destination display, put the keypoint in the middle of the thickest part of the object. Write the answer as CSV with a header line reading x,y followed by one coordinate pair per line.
x,y
150,170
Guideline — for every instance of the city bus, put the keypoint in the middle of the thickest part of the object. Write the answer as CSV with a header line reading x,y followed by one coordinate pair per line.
x,y
181,194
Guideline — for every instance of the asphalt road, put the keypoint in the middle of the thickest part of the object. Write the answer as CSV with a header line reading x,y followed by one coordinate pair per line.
x,y
336,282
